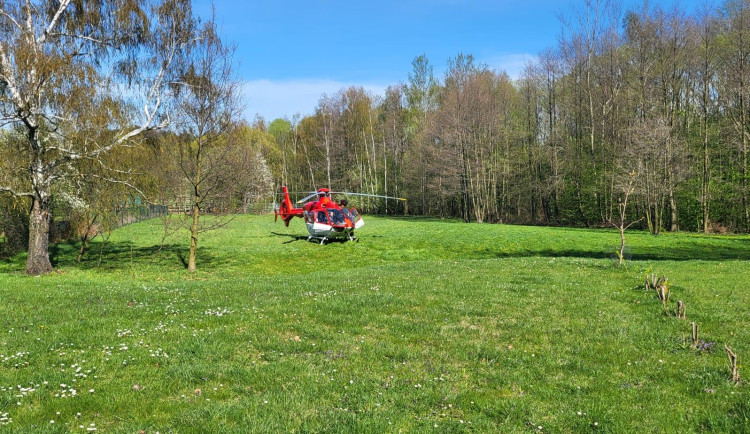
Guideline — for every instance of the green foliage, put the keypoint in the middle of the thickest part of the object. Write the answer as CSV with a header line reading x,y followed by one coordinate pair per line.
x,y
14,225
280,129
491,328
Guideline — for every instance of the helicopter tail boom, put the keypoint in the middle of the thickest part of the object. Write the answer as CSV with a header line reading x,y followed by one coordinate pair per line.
x,y
286,210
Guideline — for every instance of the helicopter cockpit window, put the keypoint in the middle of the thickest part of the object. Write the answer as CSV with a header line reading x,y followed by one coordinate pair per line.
x,y
355,215
347,214
321,218
337,218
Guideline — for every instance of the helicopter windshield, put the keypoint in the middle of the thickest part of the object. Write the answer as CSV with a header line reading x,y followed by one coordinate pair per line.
x,y
347,214
336,216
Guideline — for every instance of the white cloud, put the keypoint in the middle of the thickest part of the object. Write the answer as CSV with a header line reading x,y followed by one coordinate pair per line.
x,y
283,98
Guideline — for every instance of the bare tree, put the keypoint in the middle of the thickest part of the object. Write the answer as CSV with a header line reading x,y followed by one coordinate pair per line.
x,y
626,189
209,107
705,47
548,71
474,120
647,151
81,78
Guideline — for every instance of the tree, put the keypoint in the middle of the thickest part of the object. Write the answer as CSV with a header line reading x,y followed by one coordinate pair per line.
x,y
736,71
80,78
421,99
475,121
648,152
99,198
392,120
253,159
626,189
549,71
208,105
281,130
592,36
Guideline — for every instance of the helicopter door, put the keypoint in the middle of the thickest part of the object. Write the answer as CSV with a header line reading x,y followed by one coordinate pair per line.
x,y
322,217
320,227
357,219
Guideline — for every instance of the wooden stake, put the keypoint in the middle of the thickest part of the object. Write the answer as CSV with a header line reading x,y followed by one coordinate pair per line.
x,y
733,365
681,310
695,332
663,293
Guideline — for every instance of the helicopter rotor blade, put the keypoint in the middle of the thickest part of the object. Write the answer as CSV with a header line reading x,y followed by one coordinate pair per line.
x,y
315,193
368,195
304,199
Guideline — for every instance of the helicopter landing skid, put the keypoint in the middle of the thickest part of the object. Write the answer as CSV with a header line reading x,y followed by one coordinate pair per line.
x,y
322,239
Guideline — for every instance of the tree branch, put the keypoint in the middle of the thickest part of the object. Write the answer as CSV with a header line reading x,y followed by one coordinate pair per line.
x,y
153,95
127,184
3,12
109,169
10,82
53,23
16,193
84,38
632,223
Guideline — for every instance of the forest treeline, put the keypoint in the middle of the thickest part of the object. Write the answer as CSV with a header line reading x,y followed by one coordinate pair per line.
x,y
661,95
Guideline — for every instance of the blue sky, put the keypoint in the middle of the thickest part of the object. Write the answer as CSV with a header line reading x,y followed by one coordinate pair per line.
x,y
291,52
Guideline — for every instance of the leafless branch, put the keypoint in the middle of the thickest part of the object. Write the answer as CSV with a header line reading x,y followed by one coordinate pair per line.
x,y
125,183
4,13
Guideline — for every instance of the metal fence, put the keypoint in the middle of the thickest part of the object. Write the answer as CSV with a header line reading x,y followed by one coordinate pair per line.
x,y
249,204
138,213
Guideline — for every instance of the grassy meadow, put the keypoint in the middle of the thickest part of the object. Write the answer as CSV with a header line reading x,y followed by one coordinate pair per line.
x,y
421,326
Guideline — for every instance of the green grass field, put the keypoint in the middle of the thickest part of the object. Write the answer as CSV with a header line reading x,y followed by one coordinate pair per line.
x,y
422,326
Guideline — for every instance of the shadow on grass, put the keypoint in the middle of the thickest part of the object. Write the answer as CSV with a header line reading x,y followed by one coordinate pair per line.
x,y
731,250
292,237
125,254
416,218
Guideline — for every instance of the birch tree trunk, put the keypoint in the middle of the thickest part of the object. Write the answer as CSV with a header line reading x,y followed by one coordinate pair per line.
x,y
38,261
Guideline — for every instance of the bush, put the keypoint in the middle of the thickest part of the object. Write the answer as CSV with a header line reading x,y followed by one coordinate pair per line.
x,y
14,226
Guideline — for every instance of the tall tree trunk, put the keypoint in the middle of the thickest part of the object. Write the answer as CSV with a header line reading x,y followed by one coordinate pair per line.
x,y
705,182
423,180
465,198
193,237
673,225
706,168
744,182
328,155
38,261
385,171
196,211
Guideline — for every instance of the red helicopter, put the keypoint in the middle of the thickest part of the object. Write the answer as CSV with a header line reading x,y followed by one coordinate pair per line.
x,y
324,218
